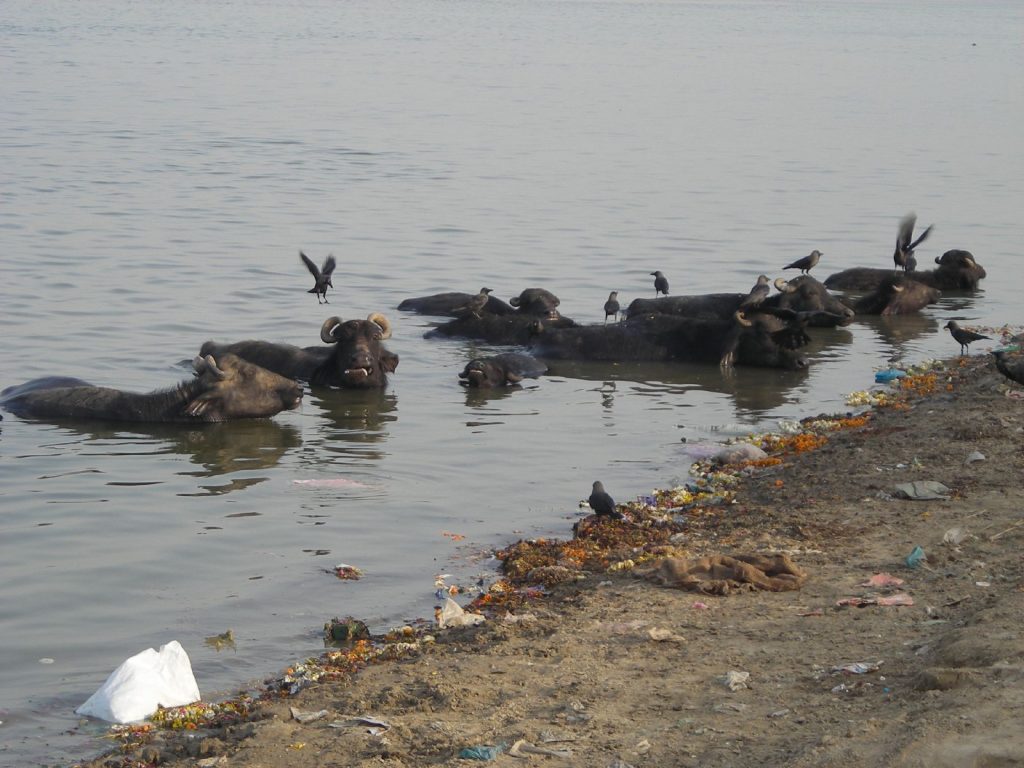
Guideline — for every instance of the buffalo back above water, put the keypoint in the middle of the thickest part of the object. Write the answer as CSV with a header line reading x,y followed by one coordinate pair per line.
x,y
499,370
224,388
896,294
517,328
447,304
956,271
356,357
662,337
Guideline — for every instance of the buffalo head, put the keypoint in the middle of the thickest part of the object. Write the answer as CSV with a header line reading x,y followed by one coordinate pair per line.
x,y
231,388
958,270
805,294
765,340
537,301
359,359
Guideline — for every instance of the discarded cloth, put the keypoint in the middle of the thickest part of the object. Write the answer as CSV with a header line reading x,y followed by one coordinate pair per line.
x,y
721,574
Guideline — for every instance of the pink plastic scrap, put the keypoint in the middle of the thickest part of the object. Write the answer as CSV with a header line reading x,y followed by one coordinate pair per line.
x,y
882,580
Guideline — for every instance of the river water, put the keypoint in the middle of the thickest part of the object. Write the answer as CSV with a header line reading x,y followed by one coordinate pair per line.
x,y
164,162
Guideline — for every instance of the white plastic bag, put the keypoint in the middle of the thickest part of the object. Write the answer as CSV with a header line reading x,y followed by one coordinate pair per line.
x,y
452,615
143,683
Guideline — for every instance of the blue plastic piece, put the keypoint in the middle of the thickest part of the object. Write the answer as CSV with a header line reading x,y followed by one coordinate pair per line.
x,y
891,374
915,558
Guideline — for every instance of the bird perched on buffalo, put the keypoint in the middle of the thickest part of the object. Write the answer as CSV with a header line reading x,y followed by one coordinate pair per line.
x,y
903,256
660,283
321,276
807,263
603,504
475,306
758,293
1011,367
611,307
963,336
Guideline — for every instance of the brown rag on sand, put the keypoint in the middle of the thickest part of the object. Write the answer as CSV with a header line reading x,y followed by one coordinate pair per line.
x,y
721,574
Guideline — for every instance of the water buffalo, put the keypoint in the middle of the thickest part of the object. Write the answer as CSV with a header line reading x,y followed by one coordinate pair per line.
x,y
517,328
446,304
896,294
957,271
356,358
762,339
499,370
803,294
223,388
538,302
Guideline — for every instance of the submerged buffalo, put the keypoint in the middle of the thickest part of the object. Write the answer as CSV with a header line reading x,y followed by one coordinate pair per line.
x,y
223,388
762,339
450,304
956,271
803,294
356,358
501,370
896,294
517,328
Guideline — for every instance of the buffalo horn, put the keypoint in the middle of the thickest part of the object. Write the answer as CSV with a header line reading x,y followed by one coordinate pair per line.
x,y
739,317
327,330
214,368
783,286
898,288
970,262
383,322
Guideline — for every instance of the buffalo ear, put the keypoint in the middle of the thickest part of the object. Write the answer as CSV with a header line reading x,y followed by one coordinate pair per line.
x,y
388,361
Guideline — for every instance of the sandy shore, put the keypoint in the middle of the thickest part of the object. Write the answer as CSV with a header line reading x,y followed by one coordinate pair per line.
x,y
612,669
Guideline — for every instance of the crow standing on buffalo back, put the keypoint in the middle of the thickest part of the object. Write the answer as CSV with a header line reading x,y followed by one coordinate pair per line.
x,y
807,263
660,283
758,293
475,306
963,336
611,307
1012,368
903,256
322,276
602,504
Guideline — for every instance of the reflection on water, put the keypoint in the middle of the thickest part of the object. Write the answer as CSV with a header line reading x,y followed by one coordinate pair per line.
x,y
752,390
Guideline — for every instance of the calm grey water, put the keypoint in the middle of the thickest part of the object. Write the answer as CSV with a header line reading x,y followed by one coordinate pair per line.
x,y
163,163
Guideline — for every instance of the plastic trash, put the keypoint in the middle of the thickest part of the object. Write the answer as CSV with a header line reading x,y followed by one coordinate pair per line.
x,y
733,454
974,456
857,667
735,681
891,374
306,716
143,683
482,752
882,580
923,490
452,615
346,630
915,558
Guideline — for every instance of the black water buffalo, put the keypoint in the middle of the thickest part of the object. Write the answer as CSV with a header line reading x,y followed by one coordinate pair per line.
x,y
517,328
538,302
499,370
762,339
223,388
957,271
446,304
803,294
356,358
896,294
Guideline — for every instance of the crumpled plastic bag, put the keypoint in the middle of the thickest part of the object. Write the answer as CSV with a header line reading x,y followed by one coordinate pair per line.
x,y
923,490
452,615
143,683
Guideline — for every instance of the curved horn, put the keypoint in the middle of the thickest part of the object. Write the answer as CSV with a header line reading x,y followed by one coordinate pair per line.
x,y
514,301
741,319
898,288
328,328
211,365
383,322
970,262
938,259
783,286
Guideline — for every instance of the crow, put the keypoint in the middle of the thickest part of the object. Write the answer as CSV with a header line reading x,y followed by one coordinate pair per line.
x,y
322,276
603,504
1012,368
660,284
758,293
475,306
963,336
611,307
807,263
903,256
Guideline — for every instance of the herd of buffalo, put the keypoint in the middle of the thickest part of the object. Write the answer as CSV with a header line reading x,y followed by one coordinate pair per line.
x,y
755,328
